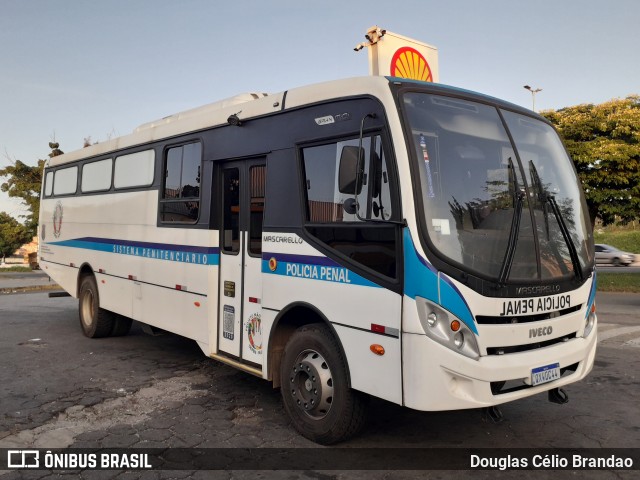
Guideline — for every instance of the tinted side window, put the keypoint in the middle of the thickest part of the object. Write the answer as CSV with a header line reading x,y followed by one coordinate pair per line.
x,y
231,211
326,203
349,216
181,189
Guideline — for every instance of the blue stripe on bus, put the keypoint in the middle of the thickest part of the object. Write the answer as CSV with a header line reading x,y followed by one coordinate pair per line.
x,y
421,280
452,299
190,254
312,268
592,294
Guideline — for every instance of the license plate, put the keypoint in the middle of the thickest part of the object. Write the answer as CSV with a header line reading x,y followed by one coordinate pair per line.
x,y
545,374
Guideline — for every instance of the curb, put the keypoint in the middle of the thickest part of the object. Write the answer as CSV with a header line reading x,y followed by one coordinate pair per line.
x,y
33,288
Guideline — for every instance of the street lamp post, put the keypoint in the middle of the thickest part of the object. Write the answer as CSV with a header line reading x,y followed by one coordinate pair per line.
x,y
533,94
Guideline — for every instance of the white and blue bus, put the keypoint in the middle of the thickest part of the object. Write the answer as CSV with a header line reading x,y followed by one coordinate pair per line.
x,y
373,236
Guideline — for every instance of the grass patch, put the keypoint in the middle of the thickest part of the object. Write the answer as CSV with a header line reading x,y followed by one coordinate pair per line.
x,y
16,268
619,282
628,241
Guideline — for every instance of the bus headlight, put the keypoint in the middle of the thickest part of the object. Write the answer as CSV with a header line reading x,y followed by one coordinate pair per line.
x,y
590,321
458,340
445,328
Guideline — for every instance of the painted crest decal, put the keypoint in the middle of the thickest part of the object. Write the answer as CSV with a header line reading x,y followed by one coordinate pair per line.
x,y
254,333
57,219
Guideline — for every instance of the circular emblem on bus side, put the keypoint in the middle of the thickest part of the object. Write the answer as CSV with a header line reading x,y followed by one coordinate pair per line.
x,y
273,264
409,63
57,219
254,333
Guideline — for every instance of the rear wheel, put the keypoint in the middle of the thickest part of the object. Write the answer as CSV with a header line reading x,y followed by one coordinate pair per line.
x,y
95,321
315,388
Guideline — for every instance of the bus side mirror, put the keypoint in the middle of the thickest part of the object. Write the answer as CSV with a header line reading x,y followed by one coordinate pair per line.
x,y
350,172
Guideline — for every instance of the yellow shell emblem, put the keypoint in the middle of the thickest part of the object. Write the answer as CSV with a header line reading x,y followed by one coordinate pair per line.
x,y
407,62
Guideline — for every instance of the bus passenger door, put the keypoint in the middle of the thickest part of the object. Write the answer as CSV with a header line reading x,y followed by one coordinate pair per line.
x,y
239,320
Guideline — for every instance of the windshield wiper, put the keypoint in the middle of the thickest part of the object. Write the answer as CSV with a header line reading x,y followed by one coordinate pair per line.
x,y
573,253
518,201
540,194
545,199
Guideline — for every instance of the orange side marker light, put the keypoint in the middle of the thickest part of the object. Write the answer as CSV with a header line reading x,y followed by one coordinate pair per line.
x,y
377,349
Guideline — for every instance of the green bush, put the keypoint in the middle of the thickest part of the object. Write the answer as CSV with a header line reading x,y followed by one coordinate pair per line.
x,y
619,282
15,269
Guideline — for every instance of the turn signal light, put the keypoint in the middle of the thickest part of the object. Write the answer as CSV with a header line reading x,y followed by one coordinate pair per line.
x,y
377,349
455,325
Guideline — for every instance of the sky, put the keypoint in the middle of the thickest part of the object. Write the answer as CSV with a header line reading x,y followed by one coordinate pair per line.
x,y
72,69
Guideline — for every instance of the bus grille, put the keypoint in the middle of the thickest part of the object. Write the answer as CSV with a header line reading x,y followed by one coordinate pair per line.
x,y
529,346
508,386
487,320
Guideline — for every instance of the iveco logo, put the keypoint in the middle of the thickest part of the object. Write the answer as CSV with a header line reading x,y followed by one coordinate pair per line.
x,y
538,290
540,332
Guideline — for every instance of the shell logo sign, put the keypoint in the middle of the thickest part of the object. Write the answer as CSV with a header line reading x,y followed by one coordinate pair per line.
x,y
393,55
407,62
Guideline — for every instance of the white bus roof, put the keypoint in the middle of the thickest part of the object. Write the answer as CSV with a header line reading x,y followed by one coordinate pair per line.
x,y
246,106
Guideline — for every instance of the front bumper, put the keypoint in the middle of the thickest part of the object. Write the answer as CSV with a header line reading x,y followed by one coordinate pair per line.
x,y
437,378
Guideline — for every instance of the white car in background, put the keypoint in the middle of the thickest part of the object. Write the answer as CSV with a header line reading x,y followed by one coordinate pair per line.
x,y
613,256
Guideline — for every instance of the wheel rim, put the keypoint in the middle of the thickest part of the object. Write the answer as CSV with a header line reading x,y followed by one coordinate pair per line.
x,y
311,384
87,308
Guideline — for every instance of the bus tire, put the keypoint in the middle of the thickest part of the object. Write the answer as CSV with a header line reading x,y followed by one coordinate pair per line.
x,y
315,389
121,326
95,321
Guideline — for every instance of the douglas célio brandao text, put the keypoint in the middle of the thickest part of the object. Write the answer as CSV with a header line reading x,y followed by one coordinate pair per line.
x,y
550,461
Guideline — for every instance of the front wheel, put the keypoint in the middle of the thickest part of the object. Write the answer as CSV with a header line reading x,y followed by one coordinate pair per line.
x,y
315,388
95,321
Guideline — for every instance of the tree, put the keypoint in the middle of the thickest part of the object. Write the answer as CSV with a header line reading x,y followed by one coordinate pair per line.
x,y
604,142
12,234
24,182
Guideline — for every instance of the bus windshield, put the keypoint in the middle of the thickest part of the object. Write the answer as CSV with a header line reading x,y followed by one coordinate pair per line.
x,y
500,210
